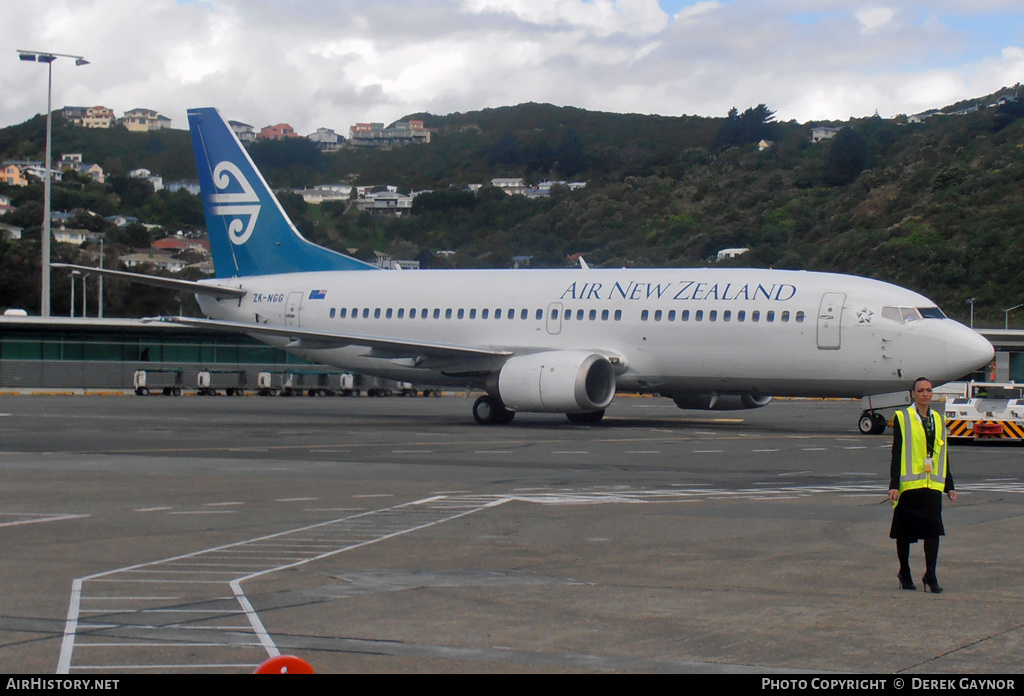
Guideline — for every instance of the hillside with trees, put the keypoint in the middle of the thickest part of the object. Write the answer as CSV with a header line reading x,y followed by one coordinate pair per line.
x,y
935,206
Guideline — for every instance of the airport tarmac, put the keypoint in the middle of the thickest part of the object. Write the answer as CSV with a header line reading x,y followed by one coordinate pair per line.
x,y
202,535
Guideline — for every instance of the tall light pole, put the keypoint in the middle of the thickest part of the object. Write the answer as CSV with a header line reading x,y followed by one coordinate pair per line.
x,y
971,303
74,274
1006,313
48,58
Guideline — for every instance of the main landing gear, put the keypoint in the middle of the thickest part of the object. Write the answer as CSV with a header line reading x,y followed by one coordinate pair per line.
x,y
490,411
588,418
871,423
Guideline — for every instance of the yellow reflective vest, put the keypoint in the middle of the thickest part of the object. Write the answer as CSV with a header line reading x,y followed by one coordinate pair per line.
x,y
915,450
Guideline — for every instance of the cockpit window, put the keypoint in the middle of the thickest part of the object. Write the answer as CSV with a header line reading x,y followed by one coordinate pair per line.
x,y
892,313
905,315
909,314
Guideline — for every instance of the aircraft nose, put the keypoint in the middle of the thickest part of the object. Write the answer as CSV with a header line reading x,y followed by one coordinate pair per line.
x,y
967,352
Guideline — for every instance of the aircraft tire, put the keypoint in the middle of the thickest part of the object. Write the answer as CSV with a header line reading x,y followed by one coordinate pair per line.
x,y
588,418
490,411
871,423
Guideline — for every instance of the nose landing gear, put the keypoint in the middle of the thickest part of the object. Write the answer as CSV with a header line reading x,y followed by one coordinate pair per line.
x,y
871,423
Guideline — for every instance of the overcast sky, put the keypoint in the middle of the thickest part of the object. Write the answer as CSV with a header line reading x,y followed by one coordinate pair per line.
x,y
331,63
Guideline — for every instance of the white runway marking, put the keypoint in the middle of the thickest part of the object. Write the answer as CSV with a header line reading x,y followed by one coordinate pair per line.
x,y
208,606
35,518
194,609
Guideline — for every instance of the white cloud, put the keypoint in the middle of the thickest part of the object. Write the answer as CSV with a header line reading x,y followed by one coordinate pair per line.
x,y
875,17
315,64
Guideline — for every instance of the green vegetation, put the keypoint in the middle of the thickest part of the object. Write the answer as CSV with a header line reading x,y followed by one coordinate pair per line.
x,y
934,206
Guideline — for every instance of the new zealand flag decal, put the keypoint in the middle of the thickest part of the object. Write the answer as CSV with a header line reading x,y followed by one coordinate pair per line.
x,y
317,294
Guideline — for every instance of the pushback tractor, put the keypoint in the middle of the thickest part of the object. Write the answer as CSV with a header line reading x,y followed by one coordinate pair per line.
x,y
987,411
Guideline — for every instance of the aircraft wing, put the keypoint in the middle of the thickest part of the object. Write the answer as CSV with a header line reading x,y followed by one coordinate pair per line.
x,y
306,338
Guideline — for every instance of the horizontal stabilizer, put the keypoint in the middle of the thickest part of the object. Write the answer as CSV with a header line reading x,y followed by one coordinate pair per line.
x,y
218,291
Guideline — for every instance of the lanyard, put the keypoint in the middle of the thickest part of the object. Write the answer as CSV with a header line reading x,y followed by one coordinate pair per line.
x,y
929,430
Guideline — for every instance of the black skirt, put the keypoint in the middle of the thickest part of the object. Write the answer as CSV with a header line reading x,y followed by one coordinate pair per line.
x,y
917,515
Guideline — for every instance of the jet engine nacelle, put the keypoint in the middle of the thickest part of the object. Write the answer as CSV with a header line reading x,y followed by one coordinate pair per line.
x,y
563,381
720,402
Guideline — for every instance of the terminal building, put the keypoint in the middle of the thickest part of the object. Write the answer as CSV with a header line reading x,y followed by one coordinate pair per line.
x,y
87,354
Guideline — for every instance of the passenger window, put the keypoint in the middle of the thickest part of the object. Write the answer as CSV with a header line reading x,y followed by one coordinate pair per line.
x,y
685,315
472,314
437,313
800,317
387,315
713,315
401,312
770,317
484,313
523,314
604,315
698,315
593,314
618,315
643,315
332,312
497,314
579,315
540,314
726,315
741,315
785,316
657,315
755,315
462,313
671,315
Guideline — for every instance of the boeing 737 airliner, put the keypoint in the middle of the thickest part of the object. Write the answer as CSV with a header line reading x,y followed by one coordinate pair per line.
x,y
559,341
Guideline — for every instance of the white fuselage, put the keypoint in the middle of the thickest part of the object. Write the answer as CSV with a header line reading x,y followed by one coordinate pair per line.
x,y
792,333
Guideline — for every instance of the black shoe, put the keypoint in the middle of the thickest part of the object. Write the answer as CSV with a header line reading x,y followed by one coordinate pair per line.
x,y
905,582
931,585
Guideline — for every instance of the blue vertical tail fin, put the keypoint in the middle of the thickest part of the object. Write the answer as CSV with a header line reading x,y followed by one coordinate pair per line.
x,y
250,234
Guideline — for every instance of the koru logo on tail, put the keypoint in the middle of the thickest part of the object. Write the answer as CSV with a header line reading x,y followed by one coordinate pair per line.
x,y
243,207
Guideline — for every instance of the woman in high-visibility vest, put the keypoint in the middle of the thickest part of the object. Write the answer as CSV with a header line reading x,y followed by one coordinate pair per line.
x,y
918,476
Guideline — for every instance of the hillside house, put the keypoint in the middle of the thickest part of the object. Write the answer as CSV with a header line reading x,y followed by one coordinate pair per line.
x,y
281,131
326,140
819,133
141,120
245,132
13,175
98,117
396,135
